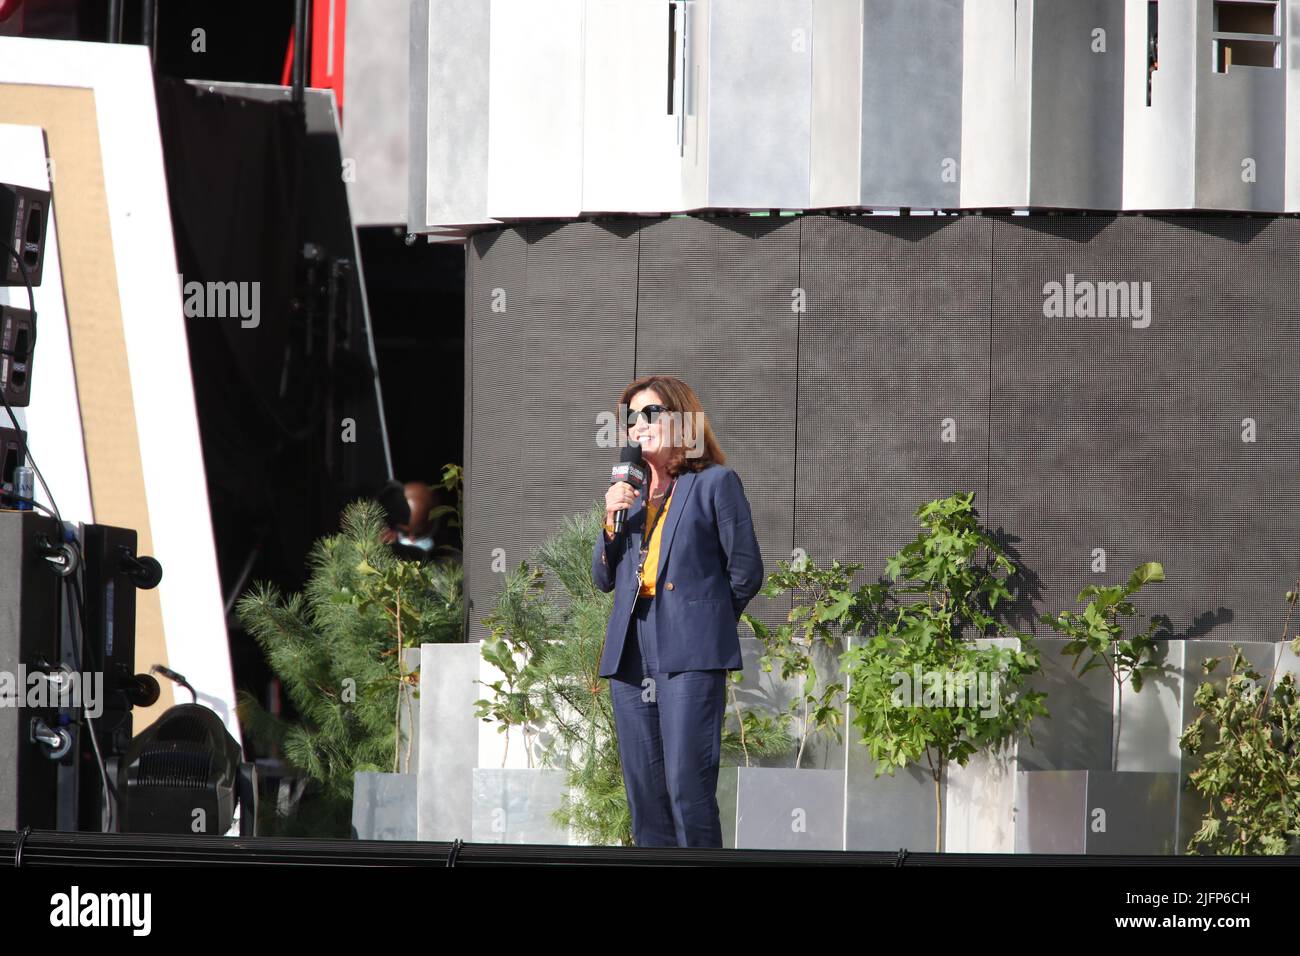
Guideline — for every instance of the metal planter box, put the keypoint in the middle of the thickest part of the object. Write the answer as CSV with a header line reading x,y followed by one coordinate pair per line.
x,y
449,738
1096,811
783,809
515,806
384,806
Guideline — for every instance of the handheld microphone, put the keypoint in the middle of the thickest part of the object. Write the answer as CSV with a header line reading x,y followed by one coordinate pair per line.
x,y
631,470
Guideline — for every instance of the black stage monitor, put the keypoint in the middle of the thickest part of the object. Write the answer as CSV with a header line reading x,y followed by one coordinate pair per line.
x,y
24,215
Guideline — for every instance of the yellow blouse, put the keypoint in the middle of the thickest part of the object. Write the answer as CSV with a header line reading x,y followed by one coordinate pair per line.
x,y
651,570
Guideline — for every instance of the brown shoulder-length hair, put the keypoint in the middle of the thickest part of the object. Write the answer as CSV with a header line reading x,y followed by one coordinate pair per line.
x,y
681,398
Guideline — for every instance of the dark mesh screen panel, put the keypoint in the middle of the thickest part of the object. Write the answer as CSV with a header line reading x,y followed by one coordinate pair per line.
x,y
1127,439
922,363
714,310
553,329
893,391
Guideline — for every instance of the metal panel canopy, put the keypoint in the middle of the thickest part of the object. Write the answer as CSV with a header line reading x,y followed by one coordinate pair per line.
x,y
874,63
448,115
598,107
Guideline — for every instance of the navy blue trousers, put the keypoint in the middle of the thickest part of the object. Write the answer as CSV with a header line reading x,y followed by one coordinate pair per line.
x,y
669,729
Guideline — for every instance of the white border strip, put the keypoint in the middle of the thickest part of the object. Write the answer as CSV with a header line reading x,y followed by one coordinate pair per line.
x,y
157,349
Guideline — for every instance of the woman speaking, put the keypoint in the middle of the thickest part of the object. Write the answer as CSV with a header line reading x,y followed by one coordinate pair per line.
x,y
682,569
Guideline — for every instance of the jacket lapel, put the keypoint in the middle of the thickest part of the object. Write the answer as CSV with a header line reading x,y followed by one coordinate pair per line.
x,y
636,523
685,482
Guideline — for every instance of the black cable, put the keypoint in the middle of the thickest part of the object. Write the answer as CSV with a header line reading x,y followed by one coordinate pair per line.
x,y
149,29
22,267
27,457
31,299
78,642
115,15
18,849
75,584
31,501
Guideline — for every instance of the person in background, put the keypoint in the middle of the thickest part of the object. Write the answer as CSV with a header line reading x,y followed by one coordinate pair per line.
x,y
410,533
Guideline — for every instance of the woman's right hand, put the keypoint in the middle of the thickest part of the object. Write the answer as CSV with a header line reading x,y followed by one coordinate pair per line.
x,y
619,496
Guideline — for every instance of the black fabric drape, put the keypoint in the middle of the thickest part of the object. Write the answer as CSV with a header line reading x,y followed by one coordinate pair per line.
x,y
234,175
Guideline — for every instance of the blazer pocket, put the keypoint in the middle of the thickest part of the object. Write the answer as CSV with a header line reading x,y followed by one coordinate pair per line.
x,y
704,609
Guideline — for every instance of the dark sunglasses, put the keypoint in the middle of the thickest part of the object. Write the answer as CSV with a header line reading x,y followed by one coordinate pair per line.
x,y
650,413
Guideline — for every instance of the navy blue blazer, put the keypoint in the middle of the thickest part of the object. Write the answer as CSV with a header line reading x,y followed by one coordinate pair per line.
x,y
709,569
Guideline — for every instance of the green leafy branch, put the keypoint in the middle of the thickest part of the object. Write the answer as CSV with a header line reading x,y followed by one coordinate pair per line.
x,y
1247,733
939,621
1100,631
